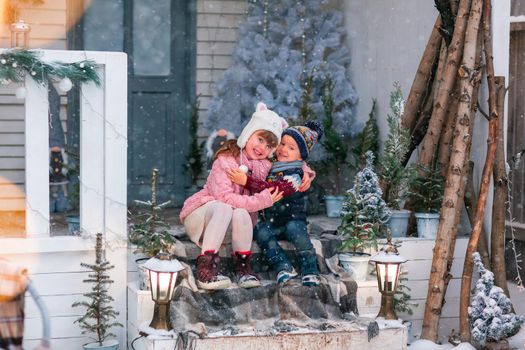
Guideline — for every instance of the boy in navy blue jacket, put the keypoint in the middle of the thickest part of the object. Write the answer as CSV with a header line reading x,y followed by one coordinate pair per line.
x,y
286,218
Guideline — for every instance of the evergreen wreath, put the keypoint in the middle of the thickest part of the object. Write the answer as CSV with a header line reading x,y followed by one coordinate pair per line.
x,y
15,64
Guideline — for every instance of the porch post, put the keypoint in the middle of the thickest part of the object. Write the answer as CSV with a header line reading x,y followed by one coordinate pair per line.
x,y
37,158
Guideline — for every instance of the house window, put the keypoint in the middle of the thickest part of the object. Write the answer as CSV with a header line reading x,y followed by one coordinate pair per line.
x,y
151,45
103,25
517,8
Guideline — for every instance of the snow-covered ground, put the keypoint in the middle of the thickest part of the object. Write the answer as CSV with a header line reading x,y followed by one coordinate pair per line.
x,y
423,344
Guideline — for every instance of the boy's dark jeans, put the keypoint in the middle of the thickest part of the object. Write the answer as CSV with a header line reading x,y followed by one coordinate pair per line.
x,y
294,231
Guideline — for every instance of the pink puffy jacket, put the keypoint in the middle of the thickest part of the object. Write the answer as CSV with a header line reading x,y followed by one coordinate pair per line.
x,y
219,187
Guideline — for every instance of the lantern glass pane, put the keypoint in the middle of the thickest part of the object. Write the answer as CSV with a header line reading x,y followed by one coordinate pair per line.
x,y
153,284
388,275
164,285
172,285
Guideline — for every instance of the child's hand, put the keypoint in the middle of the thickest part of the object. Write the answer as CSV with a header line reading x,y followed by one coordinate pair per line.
x,y
237,177
307,182
276,194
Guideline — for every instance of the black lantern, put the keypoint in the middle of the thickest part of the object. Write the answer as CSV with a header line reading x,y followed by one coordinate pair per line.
x,y
163,272
388,265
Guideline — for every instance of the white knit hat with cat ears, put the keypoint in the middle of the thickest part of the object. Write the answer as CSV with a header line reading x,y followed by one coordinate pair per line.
x,y
262,119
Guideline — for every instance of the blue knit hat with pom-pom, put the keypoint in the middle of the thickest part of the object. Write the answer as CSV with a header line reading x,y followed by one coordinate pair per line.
x,y
305,136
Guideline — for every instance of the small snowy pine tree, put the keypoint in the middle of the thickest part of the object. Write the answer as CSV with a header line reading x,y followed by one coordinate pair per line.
x,y
99,313
364,211
489,313
393,173
150,232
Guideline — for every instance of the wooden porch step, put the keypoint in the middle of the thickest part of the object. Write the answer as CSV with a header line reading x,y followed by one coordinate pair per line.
x,y
392,336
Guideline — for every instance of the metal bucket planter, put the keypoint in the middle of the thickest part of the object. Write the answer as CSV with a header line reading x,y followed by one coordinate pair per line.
x,y
356,264
427,225
106,345
334,205
398,222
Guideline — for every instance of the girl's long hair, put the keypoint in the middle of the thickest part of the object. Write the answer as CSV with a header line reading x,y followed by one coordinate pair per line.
x,y
230,147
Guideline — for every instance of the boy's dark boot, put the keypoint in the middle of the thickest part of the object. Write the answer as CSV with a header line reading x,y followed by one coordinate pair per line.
x,y
208,276
246,278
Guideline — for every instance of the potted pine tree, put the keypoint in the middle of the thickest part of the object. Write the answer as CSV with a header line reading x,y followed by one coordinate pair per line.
x,y
364,212
99,316
337,151
149,231
427,195
395,177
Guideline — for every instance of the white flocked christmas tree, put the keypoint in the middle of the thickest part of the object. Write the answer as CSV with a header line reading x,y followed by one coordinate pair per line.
x,y
490,316
364,211
281,43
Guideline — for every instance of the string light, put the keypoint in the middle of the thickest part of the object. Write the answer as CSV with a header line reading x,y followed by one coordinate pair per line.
x,y
517,256
303,43
265,18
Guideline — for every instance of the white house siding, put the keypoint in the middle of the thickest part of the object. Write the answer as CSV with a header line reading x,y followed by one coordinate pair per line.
x,y
57,276
48,25
48,31
217,33
12,161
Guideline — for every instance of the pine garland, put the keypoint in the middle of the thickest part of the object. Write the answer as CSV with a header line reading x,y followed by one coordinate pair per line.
x,y
99,312
15,64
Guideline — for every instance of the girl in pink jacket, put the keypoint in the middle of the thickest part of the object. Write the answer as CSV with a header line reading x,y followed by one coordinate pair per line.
x,y
223,211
